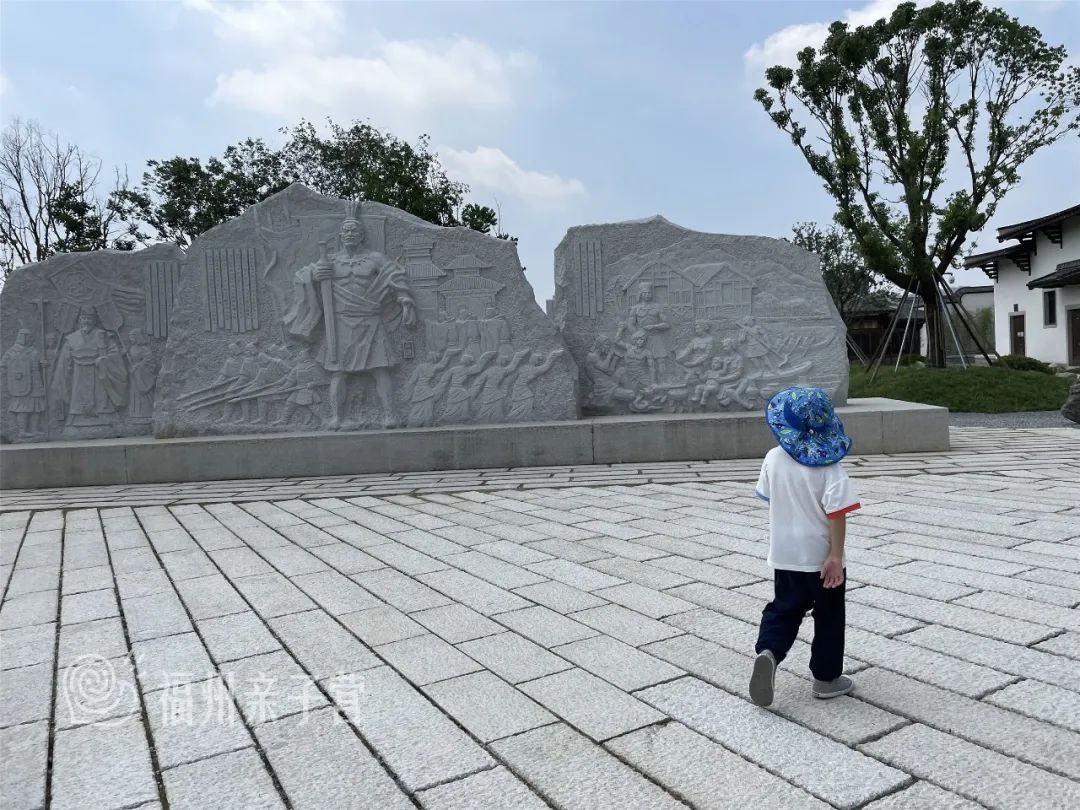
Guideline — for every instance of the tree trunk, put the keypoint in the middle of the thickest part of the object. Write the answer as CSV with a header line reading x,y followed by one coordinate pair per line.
x,y
935,326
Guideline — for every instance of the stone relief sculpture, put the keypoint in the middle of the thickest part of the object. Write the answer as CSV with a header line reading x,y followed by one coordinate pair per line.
x,y
522,396
81,337
349,315
351,294
700,322
24,371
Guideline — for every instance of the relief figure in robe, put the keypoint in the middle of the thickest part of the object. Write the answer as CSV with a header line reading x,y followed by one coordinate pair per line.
x,y
348,303
143,372
522,396
91,378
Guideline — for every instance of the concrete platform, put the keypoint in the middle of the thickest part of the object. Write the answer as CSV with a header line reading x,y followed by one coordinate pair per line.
x,y
877,425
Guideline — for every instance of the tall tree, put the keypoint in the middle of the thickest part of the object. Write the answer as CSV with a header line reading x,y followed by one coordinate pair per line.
x,y
50,198
918,125
180,198
846,276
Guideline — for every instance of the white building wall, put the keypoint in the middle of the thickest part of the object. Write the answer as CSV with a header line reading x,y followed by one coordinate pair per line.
x,y
1011,295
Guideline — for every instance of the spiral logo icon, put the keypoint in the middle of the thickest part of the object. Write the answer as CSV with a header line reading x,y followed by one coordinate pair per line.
x,y
93,692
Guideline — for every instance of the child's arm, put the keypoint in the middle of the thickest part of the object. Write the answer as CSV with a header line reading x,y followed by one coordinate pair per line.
x,y
833,571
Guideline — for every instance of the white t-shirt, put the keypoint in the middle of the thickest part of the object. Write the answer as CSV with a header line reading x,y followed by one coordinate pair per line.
x,y
802,500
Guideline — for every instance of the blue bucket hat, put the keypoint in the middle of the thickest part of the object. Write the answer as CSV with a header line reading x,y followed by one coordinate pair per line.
x,y
806,426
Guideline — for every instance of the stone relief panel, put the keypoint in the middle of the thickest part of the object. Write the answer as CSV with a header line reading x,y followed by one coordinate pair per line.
x,y
313,313
664,319
81,341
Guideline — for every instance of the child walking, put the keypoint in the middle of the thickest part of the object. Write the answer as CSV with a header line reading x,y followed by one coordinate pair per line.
x,y
809,497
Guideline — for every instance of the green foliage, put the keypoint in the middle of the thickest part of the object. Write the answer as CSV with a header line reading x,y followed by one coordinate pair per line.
x,y
180,198
848,280
917,126
979,390
1019,362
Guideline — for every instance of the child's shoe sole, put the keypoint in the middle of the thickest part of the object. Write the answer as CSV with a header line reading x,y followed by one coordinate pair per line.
x,y
762,679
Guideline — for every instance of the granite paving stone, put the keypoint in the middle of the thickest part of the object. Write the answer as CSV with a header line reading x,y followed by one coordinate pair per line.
x,y
158,614
86,579
544,626
240,562
193,721
418,742
405,559
28,580
593,706
381,625
1014,735
92,689
321,645
513,657
188,564
1011,658
24,610
238,635
207,597
102,765
705,773
923,796
272,595
86,607
233,781
987,777
25,694
487,706
574,574
493,789
620,664
400,590
292,560
104,638
321,763
456,623
827,769
24,750
178,659
625,625
574,774
346,558
426,659
647,601
23,646
559,597
474,592
1042,701
335,593
271,686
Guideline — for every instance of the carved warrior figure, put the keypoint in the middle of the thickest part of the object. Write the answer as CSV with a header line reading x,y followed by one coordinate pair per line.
x,y
90,378
425,386
757,349
23,368
303,382
355,296
639,366
143,378
600,369
522,397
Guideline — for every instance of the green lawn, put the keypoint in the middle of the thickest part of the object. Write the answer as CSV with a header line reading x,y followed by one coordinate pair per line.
x,y
983,390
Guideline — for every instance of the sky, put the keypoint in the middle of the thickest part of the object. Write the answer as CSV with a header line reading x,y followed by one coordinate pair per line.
x,y
556,113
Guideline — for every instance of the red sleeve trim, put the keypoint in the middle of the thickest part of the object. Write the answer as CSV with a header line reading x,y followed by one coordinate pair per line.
x,y
844,511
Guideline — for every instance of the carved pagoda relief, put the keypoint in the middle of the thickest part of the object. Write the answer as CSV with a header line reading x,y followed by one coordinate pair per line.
x,y
663,319
81,341
312,313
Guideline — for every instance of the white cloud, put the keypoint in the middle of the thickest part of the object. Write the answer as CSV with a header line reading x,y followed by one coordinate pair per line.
x,y
395,84
492,169
274,24
783,46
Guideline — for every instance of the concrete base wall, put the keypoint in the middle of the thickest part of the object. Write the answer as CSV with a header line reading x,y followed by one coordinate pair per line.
x,y
876,425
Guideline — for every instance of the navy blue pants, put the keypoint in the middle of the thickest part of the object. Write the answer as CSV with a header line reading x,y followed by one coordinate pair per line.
x,y
795,593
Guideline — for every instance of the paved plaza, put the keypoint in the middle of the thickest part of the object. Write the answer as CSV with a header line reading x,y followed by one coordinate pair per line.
x,y
563,637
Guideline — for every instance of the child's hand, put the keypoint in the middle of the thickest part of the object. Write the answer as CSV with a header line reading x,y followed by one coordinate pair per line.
x,y
833,572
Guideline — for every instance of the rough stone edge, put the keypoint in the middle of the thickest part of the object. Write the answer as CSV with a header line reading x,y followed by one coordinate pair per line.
x,y
877,425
